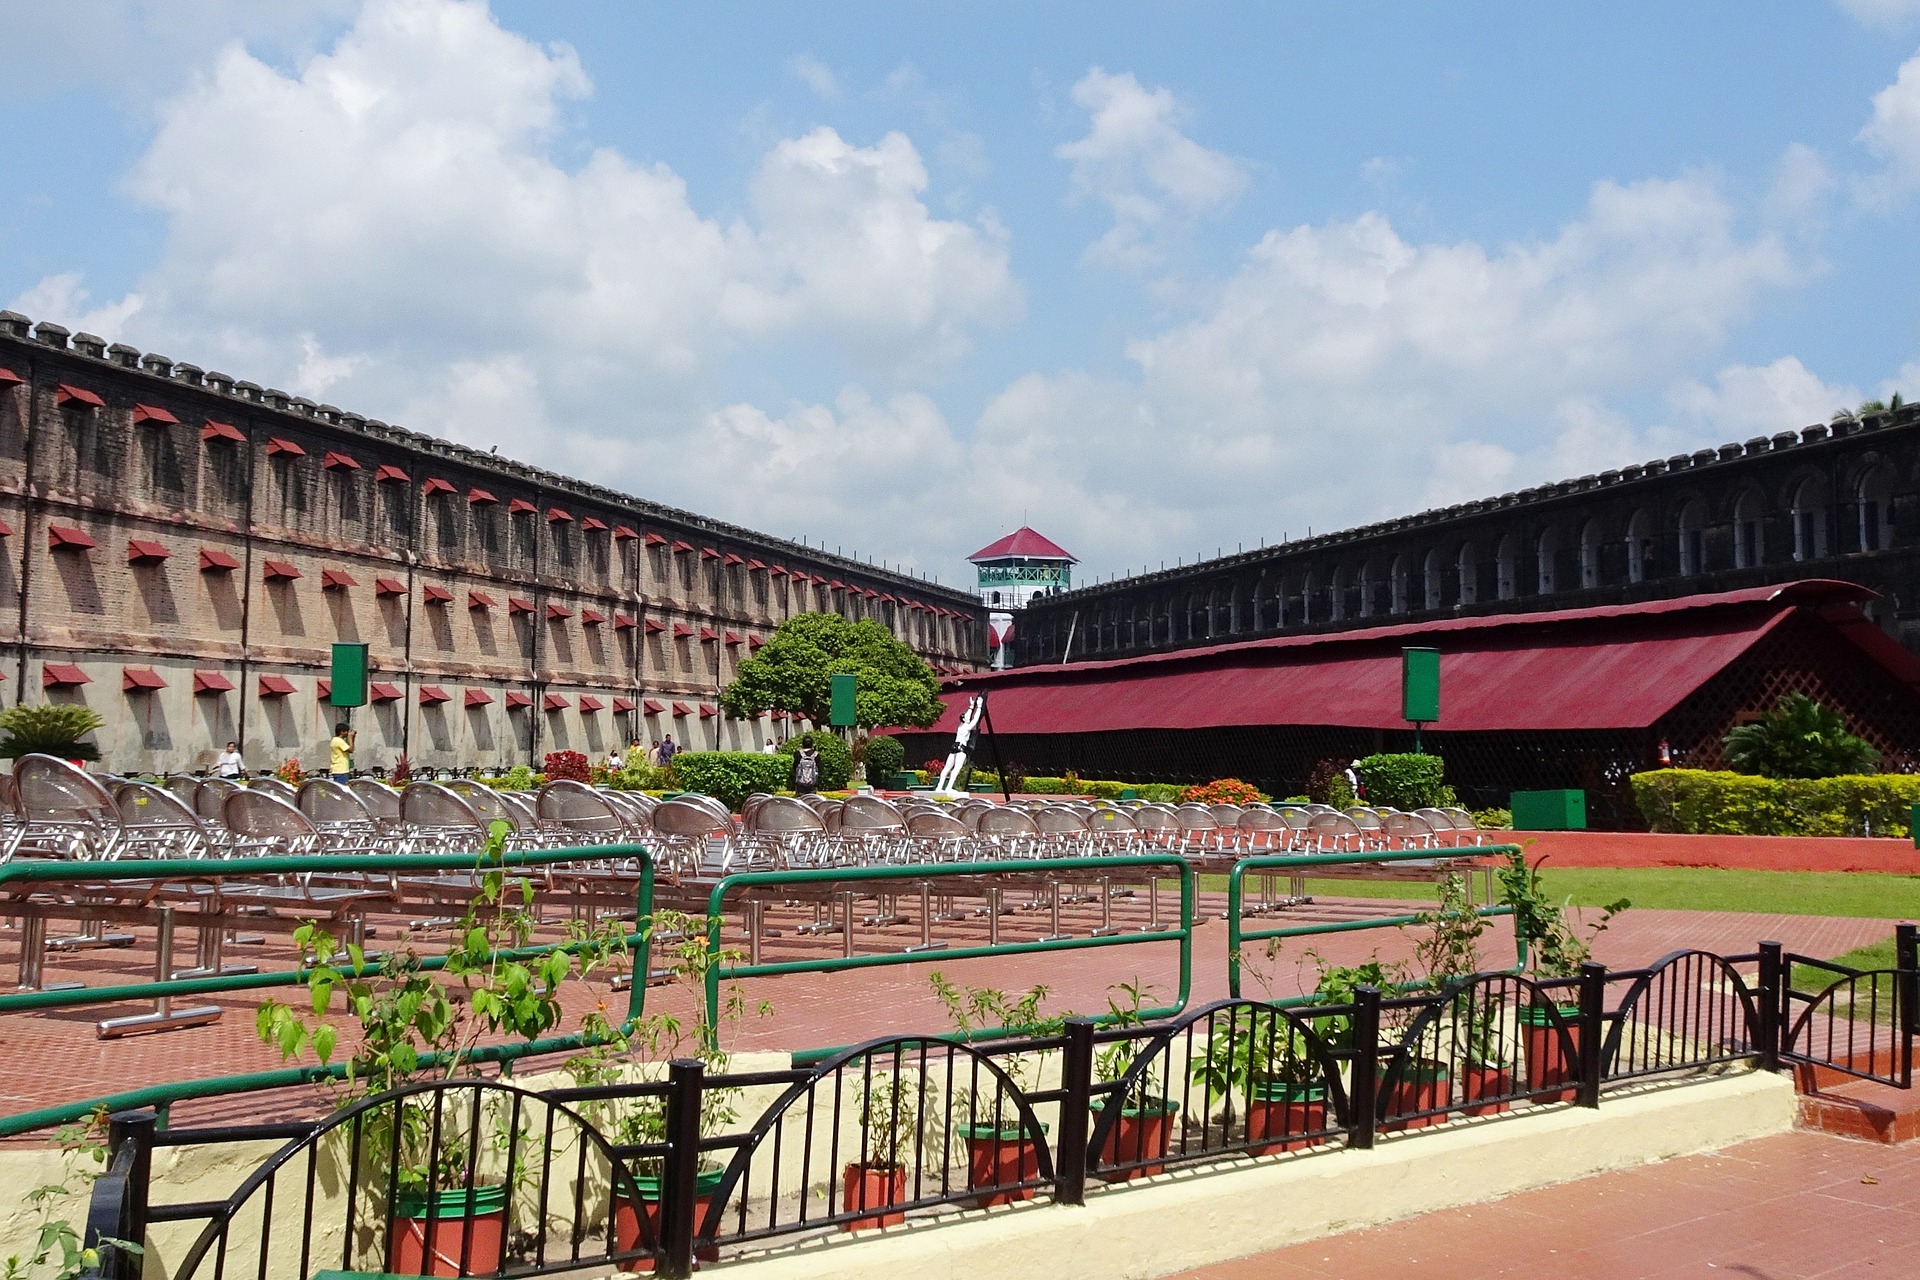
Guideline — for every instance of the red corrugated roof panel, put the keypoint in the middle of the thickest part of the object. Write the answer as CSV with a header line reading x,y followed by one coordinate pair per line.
x,y
389,587
519,604
275,686
592,617
78,395
435,595
282,445
153,413
140,680
66,537
520,507
222,431
212,561
382,691
622,533
334,460
146,551
590,703
654,628
554,702
434,484
681,709
278,570
651,708
56,674
386,471
211,682
432,694
476,698
336,580
653,540
1023,542
591,525
517,699
623,704
480,497
558,515
558,611
479,600
623,622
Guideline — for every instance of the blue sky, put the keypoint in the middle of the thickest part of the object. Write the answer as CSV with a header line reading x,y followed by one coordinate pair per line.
x,y
1158,278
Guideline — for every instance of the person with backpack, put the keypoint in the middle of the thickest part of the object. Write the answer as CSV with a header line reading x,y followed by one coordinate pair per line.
x,y
806,767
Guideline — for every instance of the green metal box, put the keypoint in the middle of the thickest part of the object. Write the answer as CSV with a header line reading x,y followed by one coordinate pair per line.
x,y
842,713
349,687
1420,685
1549,810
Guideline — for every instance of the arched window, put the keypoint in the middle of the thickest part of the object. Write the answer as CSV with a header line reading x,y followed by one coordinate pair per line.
x,y
1642,563
1196,620
1369,590
1402,584
1337,596
1435,574
1590,554
1548,558
1875,498
1507,566
1467,565
1693,538
1749,547
1810,523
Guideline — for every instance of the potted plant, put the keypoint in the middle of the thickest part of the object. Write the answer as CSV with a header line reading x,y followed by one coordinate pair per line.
x,y
1140,1131
49,729
1554,950
680,948
1268,1061
1486,1076
1000,1152
440,1178
895,1110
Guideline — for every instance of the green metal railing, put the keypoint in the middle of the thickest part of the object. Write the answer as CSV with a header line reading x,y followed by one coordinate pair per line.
x,y
1304,864
1171,864
161,1096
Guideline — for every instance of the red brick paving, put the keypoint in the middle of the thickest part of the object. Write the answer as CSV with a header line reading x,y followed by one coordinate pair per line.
x,y
1791,1207
55,1057
1749,853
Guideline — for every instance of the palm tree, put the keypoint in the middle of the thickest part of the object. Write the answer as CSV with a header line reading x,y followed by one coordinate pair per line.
x,y
1798,738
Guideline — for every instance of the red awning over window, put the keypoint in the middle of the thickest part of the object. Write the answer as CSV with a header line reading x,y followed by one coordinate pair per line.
x,y
731,638
322,687
389,587
435,485
6,530
558,516
555,612
476,698
68,394
623,622
708,634
211,682
731,558
153,413
9,378
753,641
435,595
623,533
777,571
226,431
479,600
653,540
337,461
146,551
386,472
623,704
55,675
212,561
520,507
518,699
681,631
140,680
381,691
275,686
480,497
432,695
590,525
655,628
708,553
65,537
282,445
516,604
707,712
681,709
755,564
279,570
679,546
590,703
592,617
336,580
554,702
651,708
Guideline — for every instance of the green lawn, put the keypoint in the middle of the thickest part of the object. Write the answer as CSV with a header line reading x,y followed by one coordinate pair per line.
x,y
1808,893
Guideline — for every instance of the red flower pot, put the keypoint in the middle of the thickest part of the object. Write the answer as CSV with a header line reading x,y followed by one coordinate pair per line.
x,y
1420,1086
866,1187
466,1225
1279,1110
997,1156
627,1216
1547,1061
1140,1133
1483,1087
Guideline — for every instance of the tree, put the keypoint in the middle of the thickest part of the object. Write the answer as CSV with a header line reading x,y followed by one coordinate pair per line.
x,y
794,670
1798,738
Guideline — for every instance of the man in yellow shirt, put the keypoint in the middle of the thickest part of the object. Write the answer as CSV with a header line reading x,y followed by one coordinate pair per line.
x,y
340,751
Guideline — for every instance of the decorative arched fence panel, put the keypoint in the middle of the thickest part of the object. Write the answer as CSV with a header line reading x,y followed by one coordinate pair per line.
x,y
1237,1076
879,1129
1477,1047
1857,1023
454,1178
1688,1011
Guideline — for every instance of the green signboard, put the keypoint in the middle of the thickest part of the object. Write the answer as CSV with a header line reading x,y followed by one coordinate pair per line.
x,y
1420,685
349,687
842,714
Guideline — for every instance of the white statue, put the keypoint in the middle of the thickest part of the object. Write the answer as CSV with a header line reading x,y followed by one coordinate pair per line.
x,y
949,783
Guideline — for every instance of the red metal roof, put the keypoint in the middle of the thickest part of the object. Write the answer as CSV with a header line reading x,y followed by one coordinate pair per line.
x,y
389,587
275,686
334,460
1618,667
9,378
55,674
479,600
387,471
68,392
146,550
212,561
211,682
480,497
651,708
382,691
554,702
589,703
623,704
153,413
280,444
431,694
435,595
222,431
1023,542
336,580
276,570
476,698
66,535
435,484
518,699
140,679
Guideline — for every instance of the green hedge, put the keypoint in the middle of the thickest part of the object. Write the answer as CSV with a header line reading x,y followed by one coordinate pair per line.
x,y
885,757
836,760
1404,782
730,776
1698,801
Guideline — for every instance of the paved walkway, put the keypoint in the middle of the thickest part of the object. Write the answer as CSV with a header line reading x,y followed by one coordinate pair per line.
x,y
1792,1207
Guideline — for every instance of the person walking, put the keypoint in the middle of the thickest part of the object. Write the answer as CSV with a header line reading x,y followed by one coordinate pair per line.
x,y
668,750
340,752
769,749
653,756
229,764
806,767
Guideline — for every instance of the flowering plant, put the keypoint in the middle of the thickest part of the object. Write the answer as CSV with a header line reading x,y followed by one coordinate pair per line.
x,y
290,773
568,764
1222,791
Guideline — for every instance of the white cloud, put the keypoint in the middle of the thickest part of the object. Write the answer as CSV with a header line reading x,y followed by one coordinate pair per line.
x,y
815,74
1748,400
1882,13
1894,134
1136,160
63,299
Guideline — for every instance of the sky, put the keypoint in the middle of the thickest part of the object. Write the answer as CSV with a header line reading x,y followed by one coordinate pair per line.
x,y
1160,279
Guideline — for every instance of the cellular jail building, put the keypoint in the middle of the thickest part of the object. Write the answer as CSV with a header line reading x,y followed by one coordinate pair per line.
x,y
182,549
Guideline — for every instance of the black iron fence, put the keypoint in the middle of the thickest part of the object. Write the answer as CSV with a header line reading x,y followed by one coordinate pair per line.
x,y
485,1178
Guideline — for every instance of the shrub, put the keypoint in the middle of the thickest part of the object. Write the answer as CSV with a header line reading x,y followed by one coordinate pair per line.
x,y
53,729
518,778
1404,781
568,764
934,766
1223,791
729,776
640,776
1493,819
1700,801
1327,784
290,773
1160,792
836,760
885,757
1798,738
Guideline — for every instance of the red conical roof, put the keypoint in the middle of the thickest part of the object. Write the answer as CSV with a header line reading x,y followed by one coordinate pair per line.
x,y
1023,542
